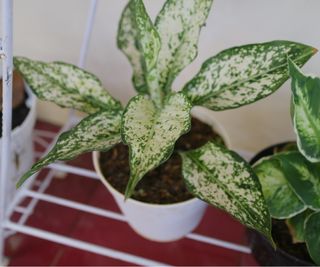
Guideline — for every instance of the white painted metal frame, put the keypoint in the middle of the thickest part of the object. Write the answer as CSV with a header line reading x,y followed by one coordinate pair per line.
x,y
8,227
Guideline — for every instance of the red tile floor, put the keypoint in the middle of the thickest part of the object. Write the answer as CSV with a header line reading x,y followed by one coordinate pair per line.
x,y
26,250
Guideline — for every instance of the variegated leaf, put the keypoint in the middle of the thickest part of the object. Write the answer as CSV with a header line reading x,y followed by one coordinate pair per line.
x,y
223,179
281,199
127,40
306,113
66,85
139,41
178,24
303,177
242,75
98,131
151,133
312,236
149,39
296,226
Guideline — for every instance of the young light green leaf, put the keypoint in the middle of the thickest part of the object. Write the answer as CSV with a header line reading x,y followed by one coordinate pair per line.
x,y
312,230
149,39
127,40
303,177
296,226
242,75
139,41
306,113
66,85
223,179
281,199
178,24
151,133
99,131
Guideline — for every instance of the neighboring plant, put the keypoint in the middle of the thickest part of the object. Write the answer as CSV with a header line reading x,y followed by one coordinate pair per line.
x,y
291,179
153,120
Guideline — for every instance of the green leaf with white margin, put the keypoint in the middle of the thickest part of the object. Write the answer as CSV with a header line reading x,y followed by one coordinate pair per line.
x,y
97,132
281,199
306,116
303,177
66,85
242,75
139,41
312,236
178,24
296,226
222,178
151,133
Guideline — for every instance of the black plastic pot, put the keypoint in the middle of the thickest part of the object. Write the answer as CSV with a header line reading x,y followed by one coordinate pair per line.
x,y
261,248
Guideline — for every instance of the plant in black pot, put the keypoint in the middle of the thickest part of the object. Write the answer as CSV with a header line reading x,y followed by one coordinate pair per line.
x,y
148,138
290,179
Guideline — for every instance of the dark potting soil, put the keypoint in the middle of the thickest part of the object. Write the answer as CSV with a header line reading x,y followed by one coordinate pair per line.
x,y
164,184
18,115
282,237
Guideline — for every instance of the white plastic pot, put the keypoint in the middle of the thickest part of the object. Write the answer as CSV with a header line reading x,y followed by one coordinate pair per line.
x,y
167,222
22,152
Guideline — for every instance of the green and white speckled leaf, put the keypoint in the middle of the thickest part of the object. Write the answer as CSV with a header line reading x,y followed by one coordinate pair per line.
x,y
281,199
139,41
296,226
151,133
306,113
97,132
127,41
303,177
242,75
66,85
223,179
178,24
149,39
312,236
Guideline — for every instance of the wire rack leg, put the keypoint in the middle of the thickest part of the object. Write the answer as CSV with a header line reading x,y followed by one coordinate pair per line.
x,y
6,55
85,47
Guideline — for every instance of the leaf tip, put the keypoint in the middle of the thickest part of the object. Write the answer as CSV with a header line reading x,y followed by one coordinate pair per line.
x,y
128,192
21,181
314,50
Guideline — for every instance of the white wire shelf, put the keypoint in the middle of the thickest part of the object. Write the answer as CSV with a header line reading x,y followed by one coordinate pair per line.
x,y
35,189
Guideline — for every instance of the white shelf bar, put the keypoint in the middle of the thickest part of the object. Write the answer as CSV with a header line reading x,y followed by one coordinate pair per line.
x,y
87,33
75,205
219,243
120,217
74,170
6,56
75,243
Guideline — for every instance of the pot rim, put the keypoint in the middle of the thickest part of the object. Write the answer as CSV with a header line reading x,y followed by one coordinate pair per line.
x,y
196,112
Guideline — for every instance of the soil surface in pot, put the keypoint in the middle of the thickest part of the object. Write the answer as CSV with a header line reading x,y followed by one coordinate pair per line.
x,y
19,96
164,184
281,236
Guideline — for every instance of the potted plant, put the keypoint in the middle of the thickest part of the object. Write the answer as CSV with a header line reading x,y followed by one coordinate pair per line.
x,y
290,179
157,117
23,120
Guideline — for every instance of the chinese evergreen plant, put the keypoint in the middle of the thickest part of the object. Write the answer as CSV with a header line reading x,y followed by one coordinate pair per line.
x,y
291,179
156,117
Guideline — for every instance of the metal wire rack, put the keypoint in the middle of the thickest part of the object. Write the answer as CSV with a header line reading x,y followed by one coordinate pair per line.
x,y
9,227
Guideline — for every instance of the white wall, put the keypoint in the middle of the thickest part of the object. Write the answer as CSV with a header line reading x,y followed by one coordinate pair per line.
x,y
52,30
